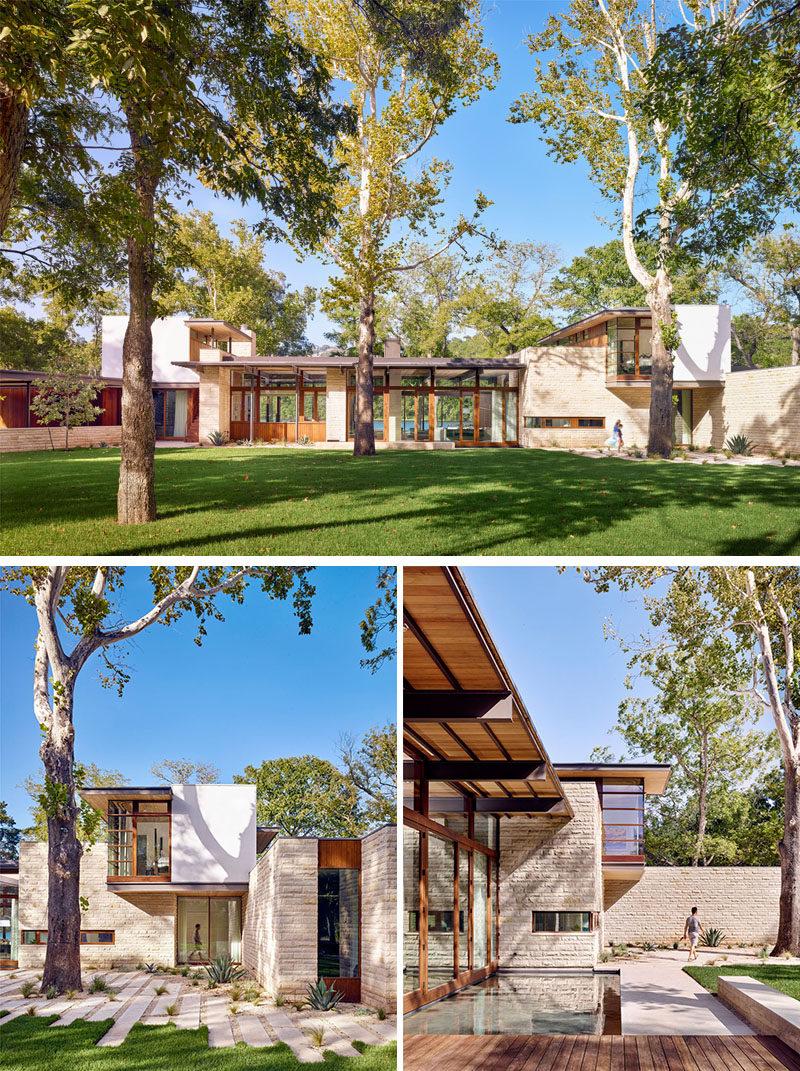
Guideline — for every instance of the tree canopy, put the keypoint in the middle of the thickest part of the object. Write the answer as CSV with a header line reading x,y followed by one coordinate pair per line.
x,y
185,772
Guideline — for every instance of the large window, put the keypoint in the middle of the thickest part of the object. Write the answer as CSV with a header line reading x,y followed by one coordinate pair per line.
x,y
88,937
564,422
276,398
171,412
411,939
629,350
9,923
139,840
338,923
623,819
209,927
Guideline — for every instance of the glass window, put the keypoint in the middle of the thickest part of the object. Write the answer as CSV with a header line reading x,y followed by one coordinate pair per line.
x,y
447,415
591,422
97,937
492,911
308,405
463,899
277,407
480,894
532,421
237,379
415,379
337,923
208,927
511,417
562,921
314,379
444,377
485,830
411,868
236,406
321,406
558,422
468,417
277,379
440,901
378,379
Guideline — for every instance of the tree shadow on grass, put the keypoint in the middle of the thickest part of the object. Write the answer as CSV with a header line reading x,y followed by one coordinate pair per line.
x,y
461,502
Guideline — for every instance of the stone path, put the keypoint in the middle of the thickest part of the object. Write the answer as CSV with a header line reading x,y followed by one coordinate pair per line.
x,y
135,1000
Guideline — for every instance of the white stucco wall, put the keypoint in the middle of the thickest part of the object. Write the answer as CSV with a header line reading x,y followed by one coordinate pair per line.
x,y
705,350
170,343
213,832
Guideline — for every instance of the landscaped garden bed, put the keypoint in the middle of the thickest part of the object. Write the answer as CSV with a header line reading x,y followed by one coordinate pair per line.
x,y
782,976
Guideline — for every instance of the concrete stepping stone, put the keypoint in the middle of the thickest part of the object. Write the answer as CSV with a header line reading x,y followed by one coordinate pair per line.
x,y
361,1030
159,1009
132,1014
17,1011
331,1039
108,1009
218,1020
383,1027
286,1031
253,1031
79,1009
188,1017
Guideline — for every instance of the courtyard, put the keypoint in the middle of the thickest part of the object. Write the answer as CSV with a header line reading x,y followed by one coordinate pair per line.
x,y
477,502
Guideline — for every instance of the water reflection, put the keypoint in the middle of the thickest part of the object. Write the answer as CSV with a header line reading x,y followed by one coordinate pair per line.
x,y
530,1003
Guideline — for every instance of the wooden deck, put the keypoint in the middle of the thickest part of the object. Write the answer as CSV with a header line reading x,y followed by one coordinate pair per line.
x,y
509,1052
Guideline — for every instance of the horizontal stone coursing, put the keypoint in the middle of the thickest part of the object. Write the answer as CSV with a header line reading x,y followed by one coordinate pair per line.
x,y
16,439
379,919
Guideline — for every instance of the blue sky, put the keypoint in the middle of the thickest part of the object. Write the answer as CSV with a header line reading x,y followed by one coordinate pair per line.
x,y
255,690
534,197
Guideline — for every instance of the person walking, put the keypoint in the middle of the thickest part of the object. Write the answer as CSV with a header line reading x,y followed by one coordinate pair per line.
x,y
618,435
692,930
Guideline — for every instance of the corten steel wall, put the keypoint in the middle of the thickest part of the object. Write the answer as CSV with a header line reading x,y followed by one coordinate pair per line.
x,y
17,439
379,919
742,901
143,923
551,864
279,938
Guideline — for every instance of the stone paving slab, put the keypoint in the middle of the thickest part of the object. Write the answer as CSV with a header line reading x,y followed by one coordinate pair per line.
x,y
20,1010
159,1009
109,1009
188,1017
132,1014
361,1031
218,1020
286,1031
387,1030
79,1010
253,1031
331,1039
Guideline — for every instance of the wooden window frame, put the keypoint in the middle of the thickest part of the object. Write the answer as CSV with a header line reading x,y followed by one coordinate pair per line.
x,y
573,423
208,897
92,944
611,789
149,815
557,912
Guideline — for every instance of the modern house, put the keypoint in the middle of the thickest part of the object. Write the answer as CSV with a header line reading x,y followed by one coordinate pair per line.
x,y
186,875
511,861
567,390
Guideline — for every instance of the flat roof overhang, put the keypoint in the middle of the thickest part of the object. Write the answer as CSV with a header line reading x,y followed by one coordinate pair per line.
x,y
214,325
654,774
312,361
177,886
25,375
265,836
99,796
466,729
593,318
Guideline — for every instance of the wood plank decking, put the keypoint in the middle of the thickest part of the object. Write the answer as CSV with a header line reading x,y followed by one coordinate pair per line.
x,y
510,1052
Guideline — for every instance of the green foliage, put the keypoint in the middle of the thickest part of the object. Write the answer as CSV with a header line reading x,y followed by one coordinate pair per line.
x,y
305,796
9,834
185,772
28,343
713,937
27,988
316,1035
380,616
222,970
51,993
65,397
371,766
98,985
740,444
217,438
756,342
783,978
768,272
90,822
323,997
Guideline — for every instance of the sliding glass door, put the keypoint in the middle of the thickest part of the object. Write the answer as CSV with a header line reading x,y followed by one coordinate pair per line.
x,y
209,927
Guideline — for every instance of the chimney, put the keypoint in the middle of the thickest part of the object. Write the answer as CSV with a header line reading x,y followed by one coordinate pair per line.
x,y
391,348
252,335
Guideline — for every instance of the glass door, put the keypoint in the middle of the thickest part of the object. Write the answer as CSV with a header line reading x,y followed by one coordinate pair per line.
x,y
408,419
422,425
468,418
209,927
682,417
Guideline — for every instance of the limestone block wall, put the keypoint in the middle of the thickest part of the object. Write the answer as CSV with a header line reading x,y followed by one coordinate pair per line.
x,y
379,919
764,405
336,411
279,938
742,901
214,388
16,439
143,923
708,416
571,381
551,864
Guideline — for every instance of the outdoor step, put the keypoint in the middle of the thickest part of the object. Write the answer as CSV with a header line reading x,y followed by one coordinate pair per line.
x,y
132,1014
253,1030
218,1021
331,1040
79,1010
288,1033
188,1017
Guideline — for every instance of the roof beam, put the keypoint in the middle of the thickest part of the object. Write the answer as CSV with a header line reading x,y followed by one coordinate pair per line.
x,y
470,707
519,805
478,770
430,650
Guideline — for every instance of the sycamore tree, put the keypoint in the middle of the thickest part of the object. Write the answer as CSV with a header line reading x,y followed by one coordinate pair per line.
x,y
304,796
81,612
388,196
226,278
185,772
752,613
66,397
768,272
89,825
9,834
597,99
370,764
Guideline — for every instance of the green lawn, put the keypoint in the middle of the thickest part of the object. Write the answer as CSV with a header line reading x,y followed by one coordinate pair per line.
x,y
787,978
28,1044
274,501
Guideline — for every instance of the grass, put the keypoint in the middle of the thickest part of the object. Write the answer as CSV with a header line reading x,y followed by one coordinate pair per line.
x,y
471,502
786,979
29,1045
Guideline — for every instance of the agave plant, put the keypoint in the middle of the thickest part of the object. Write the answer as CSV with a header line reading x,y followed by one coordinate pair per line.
x,y
740,444
217,438
323,997
151,968
714,937
223,970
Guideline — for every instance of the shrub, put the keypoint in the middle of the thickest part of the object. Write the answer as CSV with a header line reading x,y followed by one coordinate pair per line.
x,y
648,946
236,992
304,441
211,984
740,444
160,989
279,1000
51,993
381,1014
217,438
99,985
321,996
605,957
316,1036
234,1009
223,970
713,938
27,988
185,972
172,1009
31,1010
71,994
674,944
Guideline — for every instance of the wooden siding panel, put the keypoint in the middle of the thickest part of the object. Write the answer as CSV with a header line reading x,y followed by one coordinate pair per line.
x,y
340,854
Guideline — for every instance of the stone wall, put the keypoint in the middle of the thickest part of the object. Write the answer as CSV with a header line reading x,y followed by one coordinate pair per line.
x,y
764,405
17,439
551,864
143,923
379,919
211,416
336,406
279,937
742,901
571,381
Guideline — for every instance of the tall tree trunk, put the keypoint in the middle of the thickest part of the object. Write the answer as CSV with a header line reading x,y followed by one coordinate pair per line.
x,y
659,300
789,851
364,429
13,132
62,964
702,817
794,331
136,497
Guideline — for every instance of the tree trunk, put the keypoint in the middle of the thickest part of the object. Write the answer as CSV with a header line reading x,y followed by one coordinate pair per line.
x,y
659,300
62,964
136,498
13,133
794,331
702,816
789,851
364,427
